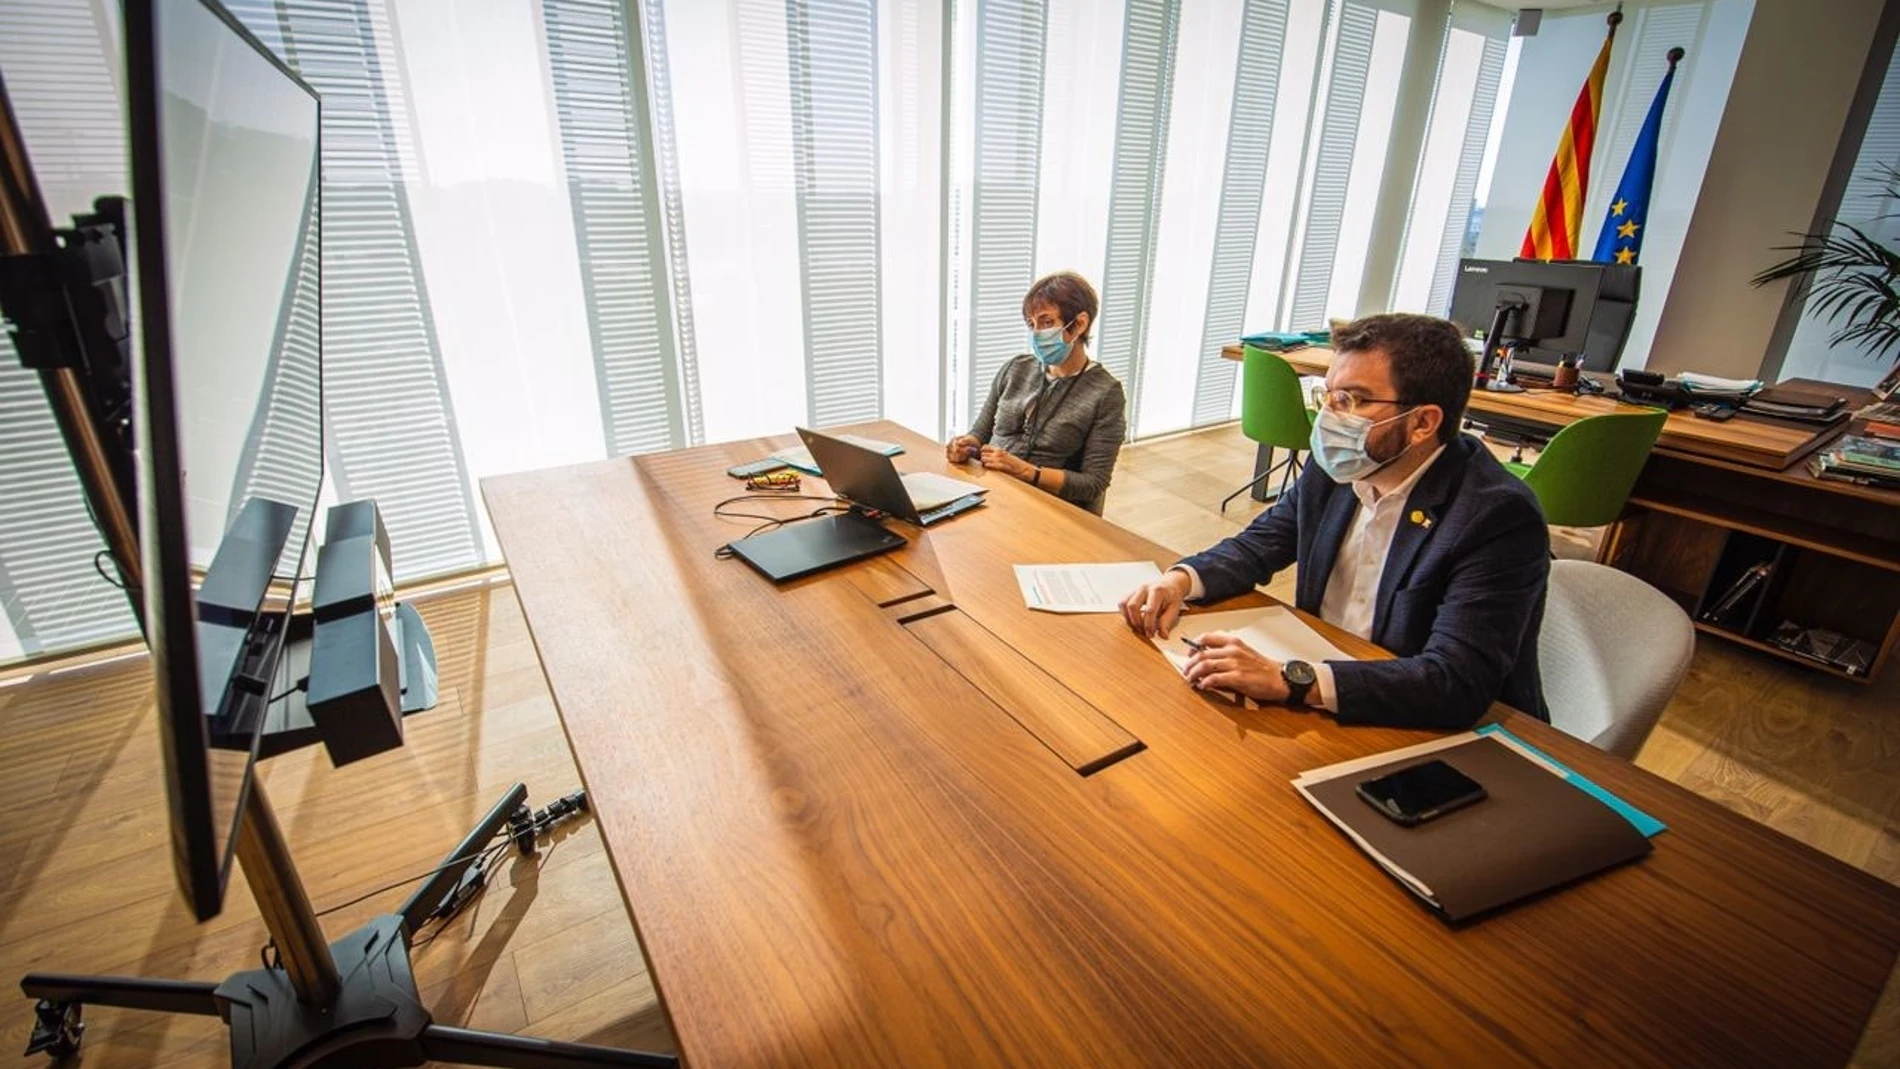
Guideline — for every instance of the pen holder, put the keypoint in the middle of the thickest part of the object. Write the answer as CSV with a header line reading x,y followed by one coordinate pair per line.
x,y
1565,376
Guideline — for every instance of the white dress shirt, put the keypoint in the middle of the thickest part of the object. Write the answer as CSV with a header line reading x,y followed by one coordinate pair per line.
x,y
1352,590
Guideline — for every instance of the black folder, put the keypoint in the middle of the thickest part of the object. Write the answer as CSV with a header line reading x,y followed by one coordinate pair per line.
x,y
1534,831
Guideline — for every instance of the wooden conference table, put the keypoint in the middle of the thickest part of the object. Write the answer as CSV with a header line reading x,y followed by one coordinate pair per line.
x,y
852,824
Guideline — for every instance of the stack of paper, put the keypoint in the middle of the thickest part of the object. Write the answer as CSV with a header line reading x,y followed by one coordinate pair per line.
x,y
1275,631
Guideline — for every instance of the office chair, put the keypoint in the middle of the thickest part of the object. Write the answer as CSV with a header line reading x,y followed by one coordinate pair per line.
x,y
1611,653
1585,473
1273,413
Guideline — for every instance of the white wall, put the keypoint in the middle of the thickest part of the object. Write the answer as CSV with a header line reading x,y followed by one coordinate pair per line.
x,y
1766,172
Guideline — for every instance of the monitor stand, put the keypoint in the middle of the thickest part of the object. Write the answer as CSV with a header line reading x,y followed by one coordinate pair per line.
x,y
351,1004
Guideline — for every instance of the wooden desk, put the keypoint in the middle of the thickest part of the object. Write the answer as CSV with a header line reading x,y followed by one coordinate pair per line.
x,y
1774,446
847,819
1718,496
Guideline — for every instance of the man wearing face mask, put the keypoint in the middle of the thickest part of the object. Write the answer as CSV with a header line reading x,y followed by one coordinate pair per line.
x,y
1407,533
1054,418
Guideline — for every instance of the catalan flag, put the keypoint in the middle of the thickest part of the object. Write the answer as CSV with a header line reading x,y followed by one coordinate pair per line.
x,y
1556,225
1622,236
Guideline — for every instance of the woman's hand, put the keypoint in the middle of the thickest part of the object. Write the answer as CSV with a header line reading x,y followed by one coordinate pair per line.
x,y
1006,462
1226,663
961,448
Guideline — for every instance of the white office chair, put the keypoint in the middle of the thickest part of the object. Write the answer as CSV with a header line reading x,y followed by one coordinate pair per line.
x,y
1612,651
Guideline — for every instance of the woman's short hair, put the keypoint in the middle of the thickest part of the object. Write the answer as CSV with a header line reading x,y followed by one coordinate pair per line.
x,y
1070,293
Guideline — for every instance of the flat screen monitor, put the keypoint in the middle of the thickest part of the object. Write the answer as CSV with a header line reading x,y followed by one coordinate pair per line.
x,y
227,394
1578,308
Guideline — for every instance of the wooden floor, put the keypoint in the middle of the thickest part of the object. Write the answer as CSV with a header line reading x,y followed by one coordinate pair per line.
x,y
550,949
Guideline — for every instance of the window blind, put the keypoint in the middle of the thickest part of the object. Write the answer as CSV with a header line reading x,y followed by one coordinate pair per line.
x,y
659,97
832,46
1464,186
1149,37
283,448
1007,158
617,223
1250,137
390,420
62,77
1338,134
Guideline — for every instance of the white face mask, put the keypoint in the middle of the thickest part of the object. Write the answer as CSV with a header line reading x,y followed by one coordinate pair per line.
x,y
1339,444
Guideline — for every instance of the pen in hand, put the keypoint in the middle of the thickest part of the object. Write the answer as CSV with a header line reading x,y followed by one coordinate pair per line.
x,y
1193,644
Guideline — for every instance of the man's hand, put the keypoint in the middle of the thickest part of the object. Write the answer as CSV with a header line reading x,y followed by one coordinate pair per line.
x,y
961,448
1153,607
1226,663
1006,462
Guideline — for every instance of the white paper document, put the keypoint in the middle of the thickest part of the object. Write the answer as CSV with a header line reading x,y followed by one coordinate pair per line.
x,y
1082,587
1274,632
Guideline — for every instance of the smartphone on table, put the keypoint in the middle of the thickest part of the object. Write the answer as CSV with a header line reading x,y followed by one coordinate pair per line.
x,y
1420,793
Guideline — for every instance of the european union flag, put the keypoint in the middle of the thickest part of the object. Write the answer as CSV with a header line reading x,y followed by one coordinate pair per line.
x,y
1622,235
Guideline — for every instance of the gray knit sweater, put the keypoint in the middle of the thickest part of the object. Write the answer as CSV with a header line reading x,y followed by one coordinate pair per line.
x,y
1076,424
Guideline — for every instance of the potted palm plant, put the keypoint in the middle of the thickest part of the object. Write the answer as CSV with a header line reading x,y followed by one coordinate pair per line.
x,y
1854,282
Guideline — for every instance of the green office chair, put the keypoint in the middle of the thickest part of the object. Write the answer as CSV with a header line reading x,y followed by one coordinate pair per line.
x,y
1583,477
1273,413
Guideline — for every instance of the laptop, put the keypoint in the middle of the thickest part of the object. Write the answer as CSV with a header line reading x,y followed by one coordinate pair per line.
x,y
807,546
867,477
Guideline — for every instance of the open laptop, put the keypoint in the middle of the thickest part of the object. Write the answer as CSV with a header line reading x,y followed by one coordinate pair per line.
x,y
867,477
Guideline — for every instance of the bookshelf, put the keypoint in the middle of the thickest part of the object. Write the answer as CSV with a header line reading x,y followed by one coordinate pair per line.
x,y
1829,556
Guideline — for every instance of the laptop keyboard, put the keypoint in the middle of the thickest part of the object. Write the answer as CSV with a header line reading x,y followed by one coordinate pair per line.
x,y
944,512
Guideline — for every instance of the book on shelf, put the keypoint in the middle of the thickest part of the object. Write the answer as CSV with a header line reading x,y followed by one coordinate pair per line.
x,y
1732,600
1866,451
1826,466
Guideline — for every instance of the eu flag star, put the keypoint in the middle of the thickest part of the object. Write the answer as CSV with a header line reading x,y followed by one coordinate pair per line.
x,y
1626,256
1628,229
1617,208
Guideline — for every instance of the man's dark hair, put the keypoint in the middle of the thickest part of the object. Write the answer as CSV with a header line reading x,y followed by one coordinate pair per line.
x,y
1070,293
1429,361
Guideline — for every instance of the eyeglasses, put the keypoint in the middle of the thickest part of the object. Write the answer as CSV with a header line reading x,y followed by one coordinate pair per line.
x,y
1345,402
1046,323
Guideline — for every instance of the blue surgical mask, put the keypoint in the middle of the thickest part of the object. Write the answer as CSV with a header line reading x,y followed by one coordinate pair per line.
x,y
1049,345
1339,444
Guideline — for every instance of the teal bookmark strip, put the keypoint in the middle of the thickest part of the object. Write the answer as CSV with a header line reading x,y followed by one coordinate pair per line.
x,y
1642,821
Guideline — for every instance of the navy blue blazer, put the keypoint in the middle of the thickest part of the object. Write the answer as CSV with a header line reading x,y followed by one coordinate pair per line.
x,y
1461,599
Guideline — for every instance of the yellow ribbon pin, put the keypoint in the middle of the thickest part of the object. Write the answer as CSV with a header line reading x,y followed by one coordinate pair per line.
x,y
1418,516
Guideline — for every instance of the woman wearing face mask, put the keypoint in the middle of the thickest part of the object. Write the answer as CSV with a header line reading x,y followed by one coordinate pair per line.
x,y
1054,418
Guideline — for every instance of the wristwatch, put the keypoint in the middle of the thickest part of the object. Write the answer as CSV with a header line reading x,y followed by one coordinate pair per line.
x,y
1300,678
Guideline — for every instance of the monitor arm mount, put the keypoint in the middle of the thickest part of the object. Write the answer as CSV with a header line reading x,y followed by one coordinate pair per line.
x,y
1501,341
350,1004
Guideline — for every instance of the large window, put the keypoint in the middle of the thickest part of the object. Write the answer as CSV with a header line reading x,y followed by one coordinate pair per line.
x,y
566,229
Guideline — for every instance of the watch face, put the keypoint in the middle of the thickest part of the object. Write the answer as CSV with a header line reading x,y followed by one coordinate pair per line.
x,y
1299,673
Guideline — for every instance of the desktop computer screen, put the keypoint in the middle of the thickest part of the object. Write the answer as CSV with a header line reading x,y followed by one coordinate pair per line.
x,y
1557,308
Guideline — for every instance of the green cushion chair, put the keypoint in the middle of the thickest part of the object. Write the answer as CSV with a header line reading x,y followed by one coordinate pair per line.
x,y
1273,413
1584,475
